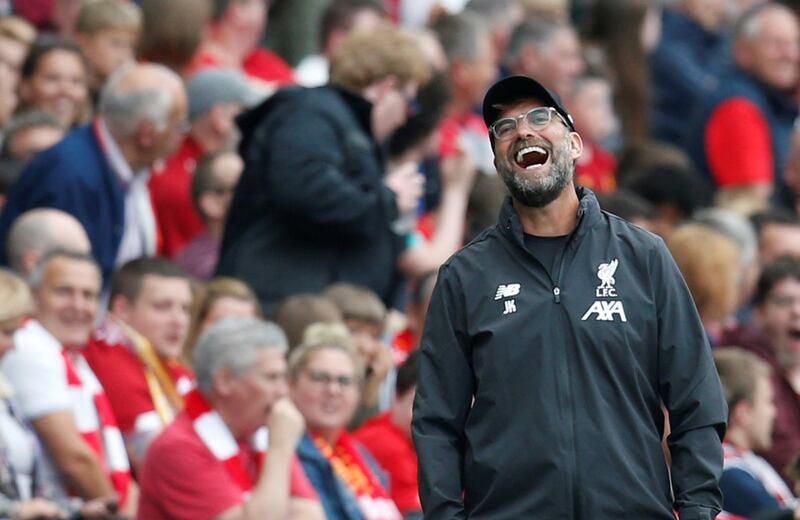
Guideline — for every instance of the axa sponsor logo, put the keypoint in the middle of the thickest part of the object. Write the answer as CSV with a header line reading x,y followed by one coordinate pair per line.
x,y
606,310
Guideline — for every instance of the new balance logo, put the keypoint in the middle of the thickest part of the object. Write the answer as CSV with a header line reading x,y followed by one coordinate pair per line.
x,y
511,307
606,311
507,291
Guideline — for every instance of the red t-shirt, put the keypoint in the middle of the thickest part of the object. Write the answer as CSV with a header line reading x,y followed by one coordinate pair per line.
x,y
121,373
260,64
181,478
171,194
599,172
395,453
738,144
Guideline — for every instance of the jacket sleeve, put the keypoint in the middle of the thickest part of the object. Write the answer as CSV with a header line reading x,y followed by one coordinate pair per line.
x,y
445,387
309,172
690,388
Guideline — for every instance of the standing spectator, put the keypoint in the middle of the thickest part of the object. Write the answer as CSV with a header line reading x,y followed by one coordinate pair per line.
x,y
519,316
209,463
29,133
107,32
55,78
38,231
213,186
742,135
136,351
216,97
99,172
388,438
231,41
751,487
312,207
58,392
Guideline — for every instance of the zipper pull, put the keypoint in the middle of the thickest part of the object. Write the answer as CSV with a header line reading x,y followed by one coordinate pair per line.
x,y
557,294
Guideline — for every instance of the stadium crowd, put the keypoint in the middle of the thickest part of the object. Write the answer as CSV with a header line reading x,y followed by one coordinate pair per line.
x,y
222,221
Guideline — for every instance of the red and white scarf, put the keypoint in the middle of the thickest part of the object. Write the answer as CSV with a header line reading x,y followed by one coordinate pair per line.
x,y
96,422
761,470
219,440
350,466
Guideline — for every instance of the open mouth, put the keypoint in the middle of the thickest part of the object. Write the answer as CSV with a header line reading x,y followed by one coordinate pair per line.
x,y
531,157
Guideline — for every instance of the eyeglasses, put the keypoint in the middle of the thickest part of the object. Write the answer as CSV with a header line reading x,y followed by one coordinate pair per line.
x,y
783,301
325,379
537,118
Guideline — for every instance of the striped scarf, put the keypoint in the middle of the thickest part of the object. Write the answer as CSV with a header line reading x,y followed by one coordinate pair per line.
x,y
96,422
761,470
212,430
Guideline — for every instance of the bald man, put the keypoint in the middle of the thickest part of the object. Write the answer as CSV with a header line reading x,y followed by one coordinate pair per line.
x,y
99,172
40,230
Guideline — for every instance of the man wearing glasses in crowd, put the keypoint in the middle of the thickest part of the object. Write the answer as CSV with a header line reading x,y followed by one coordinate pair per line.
x,y
552,341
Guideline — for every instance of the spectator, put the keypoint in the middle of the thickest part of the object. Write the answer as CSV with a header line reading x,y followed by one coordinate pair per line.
x,y
202,466
296,313
778,234
55,79
29,133
325,382
98,173
407,340
16,38
340,18
136,350
685,65
388,439
213,186
751,488
220,298
547,49
172,31
58,392
39,231
231,41
630,206
774,338
216,97
502,16
107,32
741,137
311,211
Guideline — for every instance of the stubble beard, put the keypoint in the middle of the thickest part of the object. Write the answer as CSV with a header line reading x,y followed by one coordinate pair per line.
x,y
538,192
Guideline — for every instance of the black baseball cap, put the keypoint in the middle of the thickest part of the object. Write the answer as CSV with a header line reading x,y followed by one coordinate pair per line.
x,y
515,88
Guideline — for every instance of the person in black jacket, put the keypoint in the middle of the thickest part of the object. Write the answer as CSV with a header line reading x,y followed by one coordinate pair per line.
x,y
314,205
551,342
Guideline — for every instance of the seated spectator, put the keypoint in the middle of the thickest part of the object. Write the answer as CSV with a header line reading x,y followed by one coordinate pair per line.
x,y
172,32
213,185
38,231
388,439
751,488
220,298
209,463
99,172
58,392
16,38
591,105
325,382
29,133
365,317
216,97
296,313
778,232
55,79
774,338
231,41
107,32
136,351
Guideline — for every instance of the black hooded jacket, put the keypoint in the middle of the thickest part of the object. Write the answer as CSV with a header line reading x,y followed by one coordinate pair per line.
x,y
568,373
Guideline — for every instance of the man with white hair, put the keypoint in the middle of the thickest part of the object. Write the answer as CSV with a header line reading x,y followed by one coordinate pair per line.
x,y
209,463
99,172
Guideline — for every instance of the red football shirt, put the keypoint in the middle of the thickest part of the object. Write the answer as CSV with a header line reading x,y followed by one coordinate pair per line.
x,y
260,64
181,478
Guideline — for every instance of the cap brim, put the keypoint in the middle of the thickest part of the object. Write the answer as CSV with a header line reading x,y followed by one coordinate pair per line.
x,y
515,88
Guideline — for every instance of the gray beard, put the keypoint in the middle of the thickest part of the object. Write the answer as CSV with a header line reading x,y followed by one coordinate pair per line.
x,y
539,193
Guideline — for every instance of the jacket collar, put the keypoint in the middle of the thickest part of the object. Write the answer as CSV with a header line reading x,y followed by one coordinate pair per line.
x,y
588,215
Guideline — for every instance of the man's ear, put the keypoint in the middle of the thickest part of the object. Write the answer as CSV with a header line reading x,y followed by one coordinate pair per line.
x,y
223,380
575,145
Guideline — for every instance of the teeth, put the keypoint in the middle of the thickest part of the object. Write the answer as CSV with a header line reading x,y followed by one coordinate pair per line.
x,y
529,149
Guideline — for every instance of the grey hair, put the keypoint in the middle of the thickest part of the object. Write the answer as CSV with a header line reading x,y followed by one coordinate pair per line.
x,y
749,23
459,35
233,343
37,274
536,30
734,226
123,109
491,10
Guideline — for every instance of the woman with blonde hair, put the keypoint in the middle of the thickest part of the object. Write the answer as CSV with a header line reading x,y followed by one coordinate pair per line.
x,y
326,377
221,297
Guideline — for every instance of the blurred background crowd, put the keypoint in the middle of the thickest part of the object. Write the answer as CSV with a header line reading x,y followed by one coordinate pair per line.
x,y
221,221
